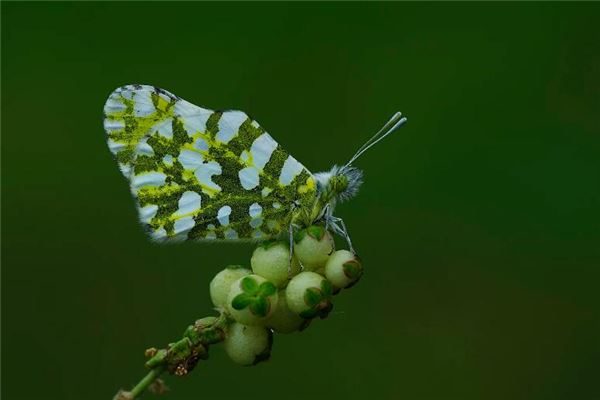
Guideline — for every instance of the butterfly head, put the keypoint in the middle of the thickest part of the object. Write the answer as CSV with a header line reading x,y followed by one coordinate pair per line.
x,y
339,183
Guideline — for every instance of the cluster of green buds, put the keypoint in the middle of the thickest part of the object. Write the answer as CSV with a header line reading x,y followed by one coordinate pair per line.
x,y
279,293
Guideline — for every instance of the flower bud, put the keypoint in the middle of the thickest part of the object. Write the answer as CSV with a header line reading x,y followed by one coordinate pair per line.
x,y
313,246
221,283
285,320
271,260
343,269
252,299
309,295
248,345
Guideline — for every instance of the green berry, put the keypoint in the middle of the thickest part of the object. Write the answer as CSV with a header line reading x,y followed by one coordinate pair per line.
x,y
252,299
271,260
248,345
221,283
313,246
343,269
285,320
309,295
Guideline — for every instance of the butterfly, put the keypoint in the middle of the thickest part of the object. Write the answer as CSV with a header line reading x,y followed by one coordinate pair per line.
x,y
198,174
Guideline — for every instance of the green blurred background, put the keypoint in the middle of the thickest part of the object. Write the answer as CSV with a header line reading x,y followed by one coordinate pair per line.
x,y
478,221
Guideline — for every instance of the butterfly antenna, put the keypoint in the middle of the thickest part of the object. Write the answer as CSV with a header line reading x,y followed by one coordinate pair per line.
x,y
394,123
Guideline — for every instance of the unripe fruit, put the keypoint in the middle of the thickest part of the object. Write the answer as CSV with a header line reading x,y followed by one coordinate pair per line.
x,y
313,246
252,299
343,269
248,345
309,295
271,260
221,283
285,320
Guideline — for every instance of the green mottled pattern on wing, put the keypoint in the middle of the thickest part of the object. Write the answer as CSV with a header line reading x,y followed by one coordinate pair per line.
x,y
198,174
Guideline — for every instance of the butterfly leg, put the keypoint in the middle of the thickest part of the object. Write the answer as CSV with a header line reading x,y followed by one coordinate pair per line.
x,y
347,236
291,233
327,216
342,231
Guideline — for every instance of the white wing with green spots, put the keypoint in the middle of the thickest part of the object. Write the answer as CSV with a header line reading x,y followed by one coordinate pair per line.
x,y
198,174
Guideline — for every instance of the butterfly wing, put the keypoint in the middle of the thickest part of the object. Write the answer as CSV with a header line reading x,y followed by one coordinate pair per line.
x,y
198,174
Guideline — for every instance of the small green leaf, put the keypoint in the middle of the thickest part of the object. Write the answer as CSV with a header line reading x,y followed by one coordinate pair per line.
x,y
249,285
241,301
326,288
298,236
352,269
260,307
267,289
267,244
316,232
312,296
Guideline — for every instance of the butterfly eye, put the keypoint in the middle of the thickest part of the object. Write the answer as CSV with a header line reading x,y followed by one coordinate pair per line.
x,y
339,183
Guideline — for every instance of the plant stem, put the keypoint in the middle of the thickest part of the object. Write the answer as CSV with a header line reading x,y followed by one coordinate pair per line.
x,y
146,381
180,357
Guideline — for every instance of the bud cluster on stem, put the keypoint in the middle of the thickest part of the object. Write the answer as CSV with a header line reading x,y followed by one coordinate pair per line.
x,y
279,293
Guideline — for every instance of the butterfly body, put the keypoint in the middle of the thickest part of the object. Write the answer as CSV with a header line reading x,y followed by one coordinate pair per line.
x,y
198,174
